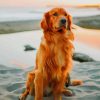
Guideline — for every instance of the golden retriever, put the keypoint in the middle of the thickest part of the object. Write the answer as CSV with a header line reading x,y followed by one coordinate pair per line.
x,y
54,57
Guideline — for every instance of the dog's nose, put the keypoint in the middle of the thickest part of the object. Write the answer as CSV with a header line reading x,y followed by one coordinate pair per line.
x,y
63,21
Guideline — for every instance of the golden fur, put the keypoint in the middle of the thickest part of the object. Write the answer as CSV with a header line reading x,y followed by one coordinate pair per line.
x,y
54,57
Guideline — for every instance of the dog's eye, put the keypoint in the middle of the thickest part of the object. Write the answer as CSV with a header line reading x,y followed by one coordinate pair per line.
x,y
55,14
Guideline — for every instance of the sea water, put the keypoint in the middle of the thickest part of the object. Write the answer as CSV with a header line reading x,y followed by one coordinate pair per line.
x,y
16,14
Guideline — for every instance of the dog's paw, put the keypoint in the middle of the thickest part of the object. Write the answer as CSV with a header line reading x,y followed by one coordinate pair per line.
x,y
68,93
47,94
22,97
76,82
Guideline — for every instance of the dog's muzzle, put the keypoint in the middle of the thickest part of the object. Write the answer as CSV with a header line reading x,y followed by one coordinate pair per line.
x,y
63,22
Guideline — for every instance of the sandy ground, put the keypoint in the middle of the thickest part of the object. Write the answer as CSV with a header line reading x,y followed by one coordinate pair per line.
x,y
15,63
12,82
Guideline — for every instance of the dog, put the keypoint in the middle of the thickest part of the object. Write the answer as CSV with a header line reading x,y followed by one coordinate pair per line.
x,y
54,57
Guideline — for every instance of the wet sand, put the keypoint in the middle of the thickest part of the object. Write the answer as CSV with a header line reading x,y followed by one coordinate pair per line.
x,y
89,37
12,47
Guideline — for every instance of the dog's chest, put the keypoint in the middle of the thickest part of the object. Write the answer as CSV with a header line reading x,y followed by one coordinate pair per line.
x,y
60,58
58,55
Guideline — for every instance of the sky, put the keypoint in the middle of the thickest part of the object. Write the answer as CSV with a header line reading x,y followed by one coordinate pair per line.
x,y
27,3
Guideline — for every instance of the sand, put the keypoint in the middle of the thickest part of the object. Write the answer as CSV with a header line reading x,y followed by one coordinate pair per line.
x,y
15,63
90,37
12,82
12,48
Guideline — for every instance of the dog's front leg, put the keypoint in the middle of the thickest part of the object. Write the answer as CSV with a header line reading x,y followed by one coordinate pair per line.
x,y
38,82
57,90
58,87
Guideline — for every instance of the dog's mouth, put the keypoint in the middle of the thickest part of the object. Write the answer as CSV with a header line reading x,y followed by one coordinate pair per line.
x,y
61,28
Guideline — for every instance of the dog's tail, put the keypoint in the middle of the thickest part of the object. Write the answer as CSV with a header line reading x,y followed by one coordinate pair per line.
x,y
76,82
70,82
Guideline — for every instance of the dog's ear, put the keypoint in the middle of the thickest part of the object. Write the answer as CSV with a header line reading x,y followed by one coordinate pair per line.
x,y
71,35
45,22
69,22
69,28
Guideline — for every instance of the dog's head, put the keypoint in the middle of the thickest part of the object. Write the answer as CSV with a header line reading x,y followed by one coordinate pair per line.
x,y
57,20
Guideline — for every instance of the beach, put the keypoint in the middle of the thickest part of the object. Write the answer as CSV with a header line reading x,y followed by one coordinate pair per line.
x,y
12,82
15,62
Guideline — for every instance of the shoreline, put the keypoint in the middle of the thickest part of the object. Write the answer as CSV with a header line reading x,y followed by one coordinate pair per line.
x,y
29,25
19,26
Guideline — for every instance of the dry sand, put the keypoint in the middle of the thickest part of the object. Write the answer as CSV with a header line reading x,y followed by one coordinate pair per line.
x,y
15,63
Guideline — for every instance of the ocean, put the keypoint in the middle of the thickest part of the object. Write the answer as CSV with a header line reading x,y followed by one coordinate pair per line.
x,y
16,14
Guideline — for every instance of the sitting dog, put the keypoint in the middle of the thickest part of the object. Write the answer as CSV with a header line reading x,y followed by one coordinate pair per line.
x,y
54,57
